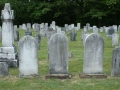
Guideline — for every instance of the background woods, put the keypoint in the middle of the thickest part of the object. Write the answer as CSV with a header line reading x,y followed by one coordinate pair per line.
x,y
103,12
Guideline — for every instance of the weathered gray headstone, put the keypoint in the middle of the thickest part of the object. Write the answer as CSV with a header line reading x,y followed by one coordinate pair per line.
x,y
0,34
93,56
116,62
16,33
58,56
115,39
29,25
73,35
28,56
78,26
4,69
24,26
101,29
38,39
50,32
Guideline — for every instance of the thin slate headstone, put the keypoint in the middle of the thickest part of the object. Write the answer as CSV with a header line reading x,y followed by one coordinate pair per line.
x,y
0,34
93,57
28,56
58,56
116,62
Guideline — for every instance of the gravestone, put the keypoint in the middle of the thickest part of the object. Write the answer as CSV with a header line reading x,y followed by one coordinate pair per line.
x,y
119,28
4,69
8,51
36,27
24,26
29,25
0,34
38,39
28,32
73,35
116,62
28,56
110,32
66,27
58,56
87,26
115,39
49,33
101,29
53,25
115,27
95,29
78,26
93,57
16,33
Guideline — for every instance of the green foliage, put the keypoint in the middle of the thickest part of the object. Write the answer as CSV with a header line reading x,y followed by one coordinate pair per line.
x,y
96,12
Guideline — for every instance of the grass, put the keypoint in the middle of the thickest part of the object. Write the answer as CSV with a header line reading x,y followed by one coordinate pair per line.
x,y
12,82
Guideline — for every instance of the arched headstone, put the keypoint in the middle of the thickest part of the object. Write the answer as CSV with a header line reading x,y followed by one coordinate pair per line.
x,y
28,56
58,56
93,56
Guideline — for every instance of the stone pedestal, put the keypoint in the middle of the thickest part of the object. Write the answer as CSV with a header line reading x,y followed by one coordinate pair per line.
x,y
8,52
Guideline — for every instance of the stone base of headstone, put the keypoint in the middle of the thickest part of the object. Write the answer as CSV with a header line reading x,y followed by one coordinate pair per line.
x,y
58,76
29,76
92,75
28,33
9,55
3,69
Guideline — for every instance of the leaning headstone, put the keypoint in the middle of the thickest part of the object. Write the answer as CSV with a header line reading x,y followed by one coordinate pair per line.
x,y
4,69
73,35
28,56
115,39
93,57
58,56
116,62
8,51
110,32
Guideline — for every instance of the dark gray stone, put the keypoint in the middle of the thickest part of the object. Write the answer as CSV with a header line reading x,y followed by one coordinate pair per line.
x,y
116,62
3,69
28,32
73,35
110,32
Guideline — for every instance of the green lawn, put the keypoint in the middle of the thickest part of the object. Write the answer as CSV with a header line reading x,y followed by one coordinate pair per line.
x,y
12,82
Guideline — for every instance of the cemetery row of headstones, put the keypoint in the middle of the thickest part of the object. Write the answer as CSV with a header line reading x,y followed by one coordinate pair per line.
x,y
57,52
